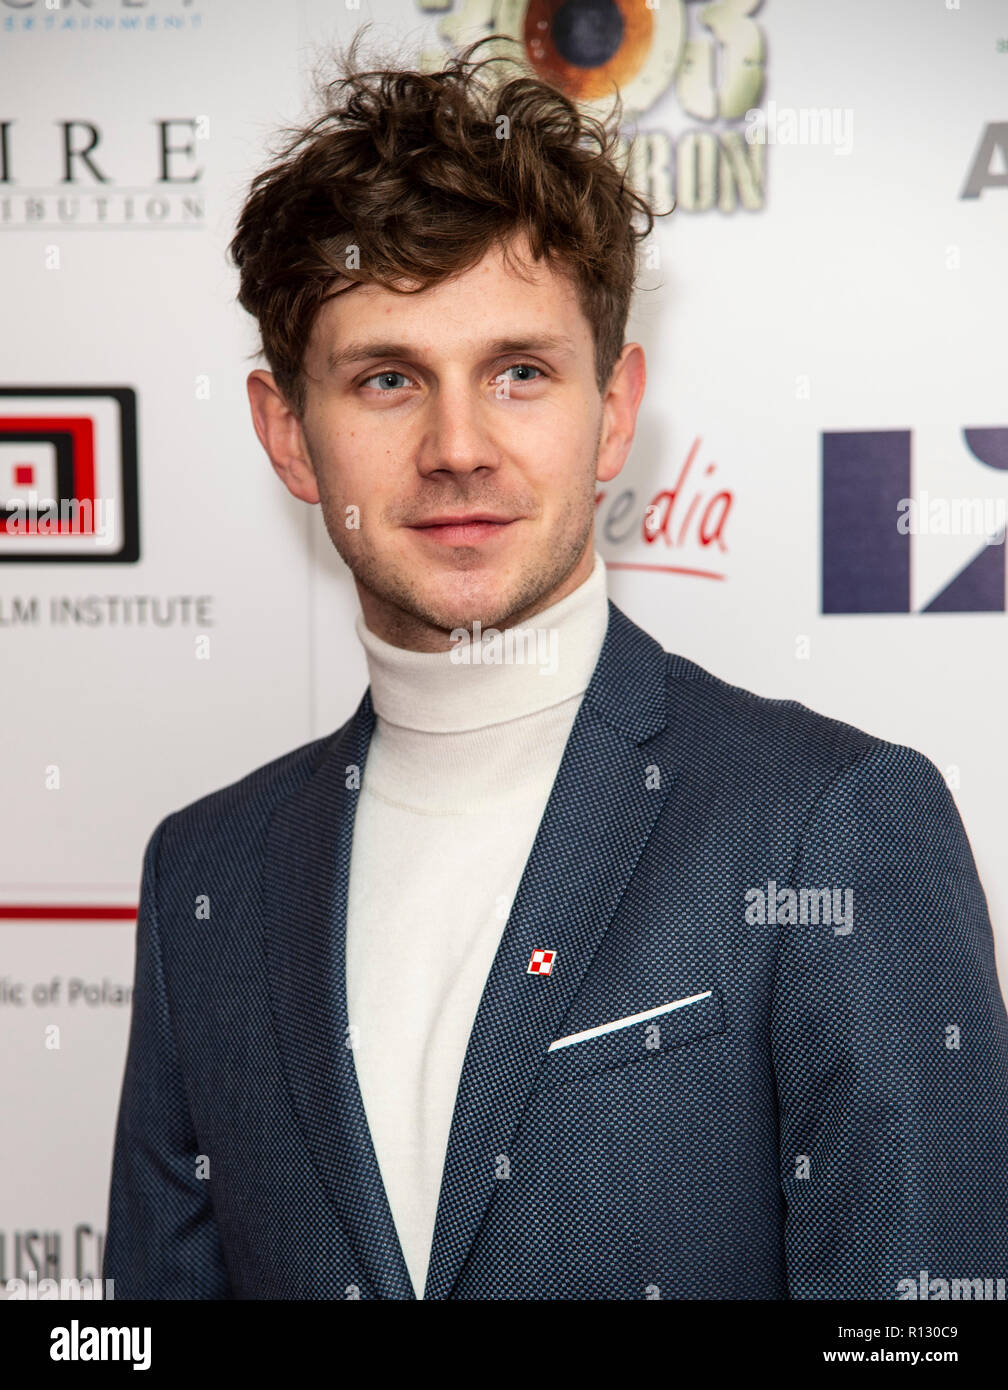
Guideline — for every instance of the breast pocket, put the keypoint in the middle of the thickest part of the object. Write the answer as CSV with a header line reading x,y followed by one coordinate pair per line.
x,y
638,1039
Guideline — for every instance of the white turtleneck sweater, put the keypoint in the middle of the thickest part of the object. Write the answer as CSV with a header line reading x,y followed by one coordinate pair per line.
x,y
461,764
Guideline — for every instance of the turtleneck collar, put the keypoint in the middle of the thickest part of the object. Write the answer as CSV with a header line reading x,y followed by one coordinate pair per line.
x,y
520,670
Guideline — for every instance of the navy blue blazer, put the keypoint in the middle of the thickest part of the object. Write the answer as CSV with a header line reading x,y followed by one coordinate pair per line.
x,y
825,1116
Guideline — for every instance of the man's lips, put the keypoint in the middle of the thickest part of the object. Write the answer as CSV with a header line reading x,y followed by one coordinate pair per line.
x,y
468,529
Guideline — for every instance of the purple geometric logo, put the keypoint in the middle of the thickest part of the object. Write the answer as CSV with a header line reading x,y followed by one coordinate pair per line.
x,y
865,555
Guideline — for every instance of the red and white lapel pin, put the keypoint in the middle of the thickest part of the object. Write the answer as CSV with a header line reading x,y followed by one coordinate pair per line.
x,y
542,962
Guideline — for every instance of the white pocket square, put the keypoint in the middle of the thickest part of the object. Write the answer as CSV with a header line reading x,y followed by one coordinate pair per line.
x,y
628,1021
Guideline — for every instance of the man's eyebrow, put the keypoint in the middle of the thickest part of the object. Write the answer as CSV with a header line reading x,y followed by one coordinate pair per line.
x,y
497,347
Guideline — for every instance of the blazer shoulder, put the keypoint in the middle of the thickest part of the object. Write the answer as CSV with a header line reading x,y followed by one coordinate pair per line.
x,y
747,728
241,811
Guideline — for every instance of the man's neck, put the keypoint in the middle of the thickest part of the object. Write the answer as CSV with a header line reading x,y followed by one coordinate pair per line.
x,y
502,676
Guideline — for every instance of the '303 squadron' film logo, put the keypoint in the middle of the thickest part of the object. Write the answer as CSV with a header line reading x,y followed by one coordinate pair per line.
x,y
710,56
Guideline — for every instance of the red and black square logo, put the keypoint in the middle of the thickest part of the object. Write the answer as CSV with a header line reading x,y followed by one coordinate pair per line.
x,y
68,474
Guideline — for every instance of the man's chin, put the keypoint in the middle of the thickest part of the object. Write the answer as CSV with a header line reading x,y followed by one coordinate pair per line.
x,y
411,608
449,618
440,597
448,598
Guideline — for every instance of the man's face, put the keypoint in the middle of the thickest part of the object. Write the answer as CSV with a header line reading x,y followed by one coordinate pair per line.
x,y
475,398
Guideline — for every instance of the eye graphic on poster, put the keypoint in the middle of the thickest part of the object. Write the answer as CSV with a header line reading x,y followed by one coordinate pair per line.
x,y
592,48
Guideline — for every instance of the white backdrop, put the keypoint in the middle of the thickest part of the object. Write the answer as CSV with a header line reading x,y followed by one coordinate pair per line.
x,y
845,285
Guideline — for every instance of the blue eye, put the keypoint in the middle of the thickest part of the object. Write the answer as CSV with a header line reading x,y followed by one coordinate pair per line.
x,y
386,377
522,367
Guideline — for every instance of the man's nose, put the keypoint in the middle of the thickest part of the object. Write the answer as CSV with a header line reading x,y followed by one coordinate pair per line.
x,y
457,436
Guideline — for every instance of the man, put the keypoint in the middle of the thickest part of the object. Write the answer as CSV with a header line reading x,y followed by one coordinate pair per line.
x,y
563,969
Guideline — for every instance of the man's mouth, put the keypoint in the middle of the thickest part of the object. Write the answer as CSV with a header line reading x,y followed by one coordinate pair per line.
x,y
467,529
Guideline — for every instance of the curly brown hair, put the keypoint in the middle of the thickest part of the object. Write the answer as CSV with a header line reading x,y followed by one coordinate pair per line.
x,y
416,175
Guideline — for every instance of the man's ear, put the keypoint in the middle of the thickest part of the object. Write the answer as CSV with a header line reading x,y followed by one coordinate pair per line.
x,y
280,434
619,411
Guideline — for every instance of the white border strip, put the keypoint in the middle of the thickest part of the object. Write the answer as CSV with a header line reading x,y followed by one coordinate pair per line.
x,y
626,1022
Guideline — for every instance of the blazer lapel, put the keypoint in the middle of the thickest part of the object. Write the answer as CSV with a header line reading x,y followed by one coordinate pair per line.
x,y
305,898
596,822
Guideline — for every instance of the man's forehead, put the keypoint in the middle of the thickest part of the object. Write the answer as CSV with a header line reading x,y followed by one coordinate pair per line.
x,y
366,349
540,309
516,272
